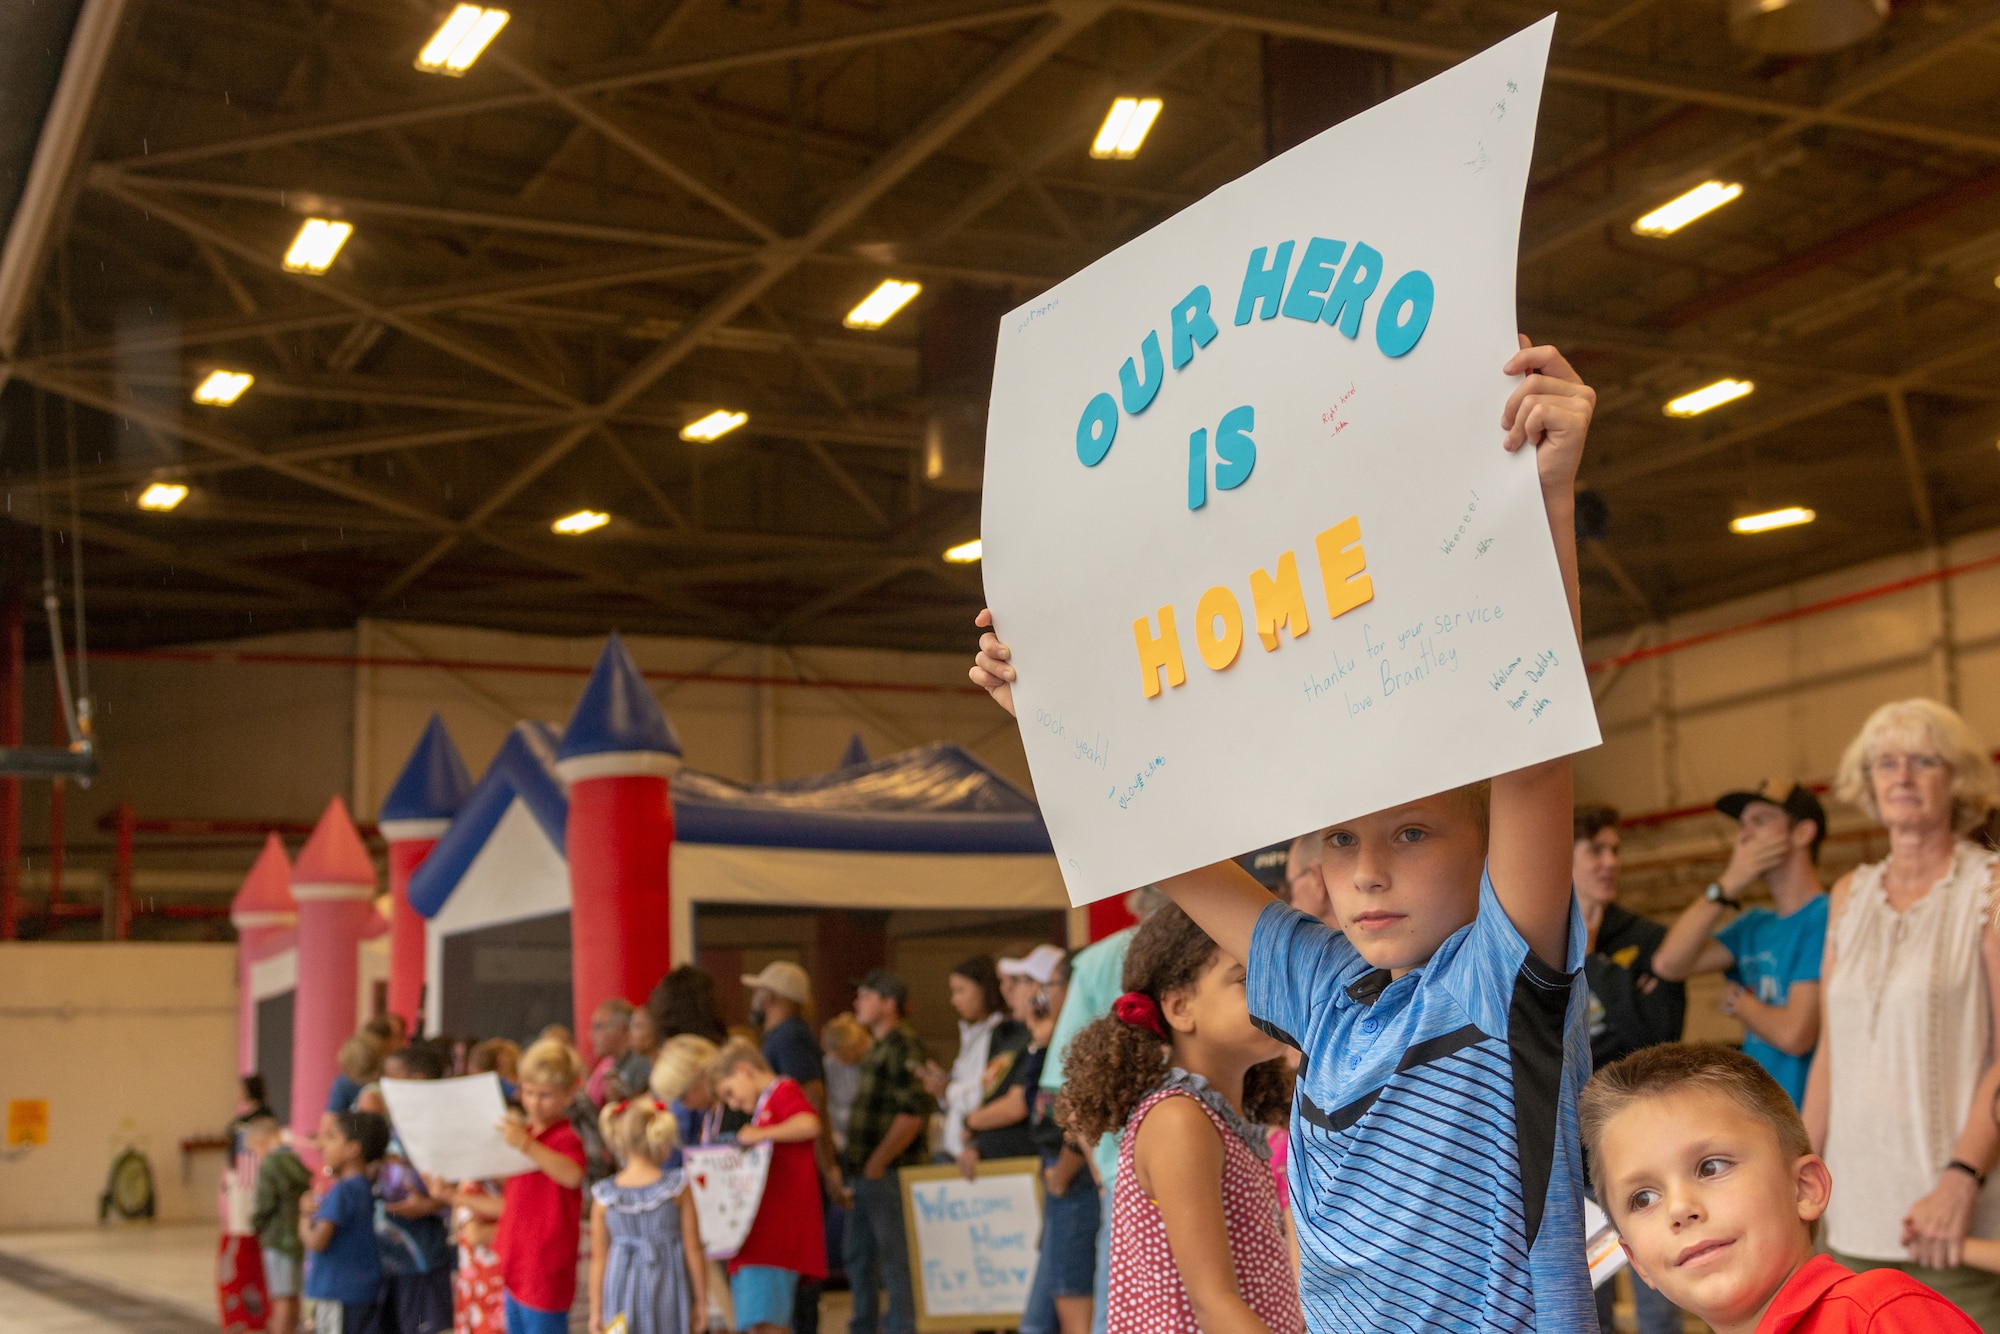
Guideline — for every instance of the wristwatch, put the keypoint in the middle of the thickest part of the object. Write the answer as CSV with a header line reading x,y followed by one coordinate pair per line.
x,y
1716,894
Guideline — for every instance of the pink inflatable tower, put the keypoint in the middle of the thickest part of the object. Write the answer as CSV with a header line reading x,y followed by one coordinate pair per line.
x,y
334,884
414,816
264,916
616,755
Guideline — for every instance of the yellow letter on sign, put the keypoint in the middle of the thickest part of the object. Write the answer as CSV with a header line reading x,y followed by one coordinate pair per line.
x,y
1341,562
1279,601
1218,651
1154,654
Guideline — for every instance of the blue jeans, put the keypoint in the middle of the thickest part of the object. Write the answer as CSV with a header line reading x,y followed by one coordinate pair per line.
x,y
1070,1228
878,1258
527,1320
1103,1275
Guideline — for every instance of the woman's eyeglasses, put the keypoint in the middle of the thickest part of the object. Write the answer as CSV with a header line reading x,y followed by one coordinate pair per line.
x,y
1916,764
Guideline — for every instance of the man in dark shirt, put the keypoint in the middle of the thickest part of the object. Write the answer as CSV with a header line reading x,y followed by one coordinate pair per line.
x,y
885,1131
1628,1006
780,1000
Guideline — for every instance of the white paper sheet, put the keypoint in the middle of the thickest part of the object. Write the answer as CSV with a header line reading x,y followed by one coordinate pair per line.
x,y
448,1127
1460,664
1600,1245
728,1186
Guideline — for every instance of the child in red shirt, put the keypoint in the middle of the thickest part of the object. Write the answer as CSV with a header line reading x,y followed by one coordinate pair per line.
x,y
786,1242
1701,1160
540,1212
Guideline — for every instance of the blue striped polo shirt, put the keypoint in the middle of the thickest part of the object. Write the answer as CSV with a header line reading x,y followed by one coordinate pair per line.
x,y
1437,1181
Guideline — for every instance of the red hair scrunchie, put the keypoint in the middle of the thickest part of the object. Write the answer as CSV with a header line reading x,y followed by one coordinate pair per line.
x,y
1141,1011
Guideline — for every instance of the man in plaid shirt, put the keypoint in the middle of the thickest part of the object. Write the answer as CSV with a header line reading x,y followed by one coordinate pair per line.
x,y
885,1131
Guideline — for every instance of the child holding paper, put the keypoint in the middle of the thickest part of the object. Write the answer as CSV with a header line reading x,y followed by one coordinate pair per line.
x,y
1177,1066
646,1262
784,1243
1438,1178
1704,1165
540,1212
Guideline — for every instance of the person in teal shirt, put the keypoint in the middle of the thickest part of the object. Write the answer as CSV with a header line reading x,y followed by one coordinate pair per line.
x,y
1771,955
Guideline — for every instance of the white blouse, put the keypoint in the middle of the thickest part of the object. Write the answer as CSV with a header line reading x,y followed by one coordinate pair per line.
x,y
1908,1029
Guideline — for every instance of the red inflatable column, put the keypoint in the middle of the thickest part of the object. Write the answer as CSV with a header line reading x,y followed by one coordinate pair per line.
x,y
264,916
414,816
617,755
334,884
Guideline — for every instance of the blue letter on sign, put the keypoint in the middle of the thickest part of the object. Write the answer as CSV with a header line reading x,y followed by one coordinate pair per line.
x,y
1192,326
1139,394
1357,283
1394,334
1236,449
1198,468
1308,292
1096,430
1264,284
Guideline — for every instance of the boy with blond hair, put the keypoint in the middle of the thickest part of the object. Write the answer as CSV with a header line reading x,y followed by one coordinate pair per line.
x,y
783,1247
1703,1163
540,1212
1437,1181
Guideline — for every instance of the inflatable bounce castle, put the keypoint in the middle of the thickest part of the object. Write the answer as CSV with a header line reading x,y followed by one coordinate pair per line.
x,y
572,871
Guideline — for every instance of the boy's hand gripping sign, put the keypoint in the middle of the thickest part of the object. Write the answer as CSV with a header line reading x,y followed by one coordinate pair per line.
x,y
1249,529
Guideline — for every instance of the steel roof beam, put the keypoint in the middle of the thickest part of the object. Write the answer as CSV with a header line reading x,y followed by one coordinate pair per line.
x,y
1020,58
718,58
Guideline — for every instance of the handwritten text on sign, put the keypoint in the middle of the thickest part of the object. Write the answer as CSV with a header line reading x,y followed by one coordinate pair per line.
x,y
1255,454
975,1243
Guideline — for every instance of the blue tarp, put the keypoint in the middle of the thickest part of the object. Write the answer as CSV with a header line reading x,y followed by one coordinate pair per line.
x,y
937,798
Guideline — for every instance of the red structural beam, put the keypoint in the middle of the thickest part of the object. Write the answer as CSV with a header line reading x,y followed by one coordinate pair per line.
x,y
1794,614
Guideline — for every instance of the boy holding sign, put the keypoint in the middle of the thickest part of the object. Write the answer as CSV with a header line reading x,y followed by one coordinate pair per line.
x,y
787,1241
1438,1181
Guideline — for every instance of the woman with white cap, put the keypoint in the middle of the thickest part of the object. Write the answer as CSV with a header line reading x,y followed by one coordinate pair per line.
x,y
999,1125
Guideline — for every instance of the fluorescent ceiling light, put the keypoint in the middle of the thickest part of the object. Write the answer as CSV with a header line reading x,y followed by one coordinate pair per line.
x,y
458,43
1125,127
222,388
1709,396
1675,214
880,306
965,553
1789,517
162,496
583,521
316,244
714,426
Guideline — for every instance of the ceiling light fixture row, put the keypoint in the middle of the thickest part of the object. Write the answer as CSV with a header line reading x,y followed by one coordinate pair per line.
x,y
222,388
1707,397
965,553
1791,516
579,523
1677,213
880,306
714,426
1125,127
162,496
465,33
314,248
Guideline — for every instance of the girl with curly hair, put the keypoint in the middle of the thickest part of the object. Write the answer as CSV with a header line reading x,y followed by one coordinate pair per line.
x,y
1196,1242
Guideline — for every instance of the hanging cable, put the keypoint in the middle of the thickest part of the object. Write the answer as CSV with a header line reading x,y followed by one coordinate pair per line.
x,y
82,729
51,603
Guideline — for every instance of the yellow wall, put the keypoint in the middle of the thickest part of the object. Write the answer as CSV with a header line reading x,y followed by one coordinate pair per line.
x,y
130,1044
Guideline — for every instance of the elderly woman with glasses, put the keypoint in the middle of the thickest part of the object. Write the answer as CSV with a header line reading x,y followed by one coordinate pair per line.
x,y
1900,1101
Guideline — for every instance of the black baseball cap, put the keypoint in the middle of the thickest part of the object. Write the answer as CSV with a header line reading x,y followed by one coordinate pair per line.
x,y
884,984
1798,802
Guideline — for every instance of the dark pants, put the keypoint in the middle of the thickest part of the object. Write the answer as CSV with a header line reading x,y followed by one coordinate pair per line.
x,y
878,1258
805,1306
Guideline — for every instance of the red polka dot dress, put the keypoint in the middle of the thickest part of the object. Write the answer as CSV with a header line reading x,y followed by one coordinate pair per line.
x,y
1146,1292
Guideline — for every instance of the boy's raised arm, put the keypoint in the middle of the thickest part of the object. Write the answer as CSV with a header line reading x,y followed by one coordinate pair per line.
x,y
1528,848
1223,899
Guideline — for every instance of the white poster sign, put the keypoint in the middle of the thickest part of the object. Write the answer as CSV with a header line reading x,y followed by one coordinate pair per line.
x,y
450,1127
1601,1248
728,1186
973,1244
1248,524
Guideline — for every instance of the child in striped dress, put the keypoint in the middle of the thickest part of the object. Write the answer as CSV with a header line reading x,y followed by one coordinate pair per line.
x,y
646,1262
1194,1085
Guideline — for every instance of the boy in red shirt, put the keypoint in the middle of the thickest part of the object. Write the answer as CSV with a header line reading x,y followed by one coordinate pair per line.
x,y
1702,1162
540,1212
787,1240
